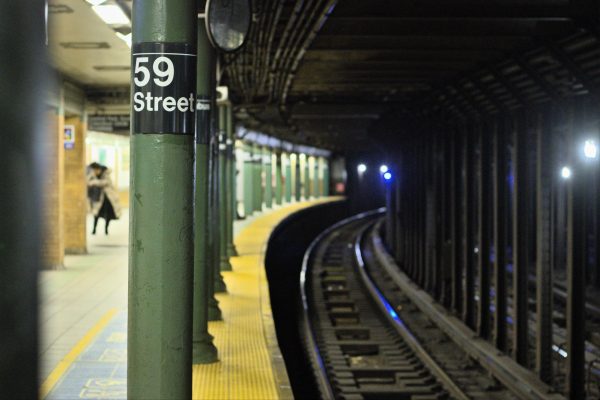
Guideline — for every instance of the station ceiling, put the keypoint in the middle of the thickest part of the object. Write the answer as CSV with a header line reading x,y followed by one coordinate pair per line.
x,y
343,74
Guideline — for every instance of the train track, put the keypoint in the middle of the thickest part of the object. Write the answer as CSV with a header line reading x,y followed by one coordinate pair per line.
x,y
361,346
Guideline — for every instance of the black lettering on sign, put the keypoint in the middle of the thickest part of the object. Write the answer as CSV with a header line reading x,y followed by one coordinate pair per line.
x,y
164,88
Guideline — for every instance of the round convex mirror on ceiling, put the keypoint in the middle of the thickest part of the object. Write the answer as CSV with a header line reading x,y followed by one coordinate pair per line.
x,y
228,23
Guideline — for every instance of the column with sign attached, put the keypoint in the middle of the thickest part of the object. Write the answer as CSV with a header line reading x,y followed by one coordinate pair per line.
x,y
204,350
163,106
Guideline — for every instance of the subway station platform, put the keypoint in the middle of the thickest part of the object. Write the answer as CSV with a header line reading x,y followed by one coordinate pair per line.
x,y
84,322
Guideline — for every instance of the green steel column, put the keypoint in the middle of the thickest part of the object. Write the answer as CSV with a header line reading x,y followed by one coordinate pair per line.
x,y
161,253
268,172
215,207
316,179
306,178
325,177
248,180
278,186
203,349
298,179
217,285
258,177
287,167
224,203
231,191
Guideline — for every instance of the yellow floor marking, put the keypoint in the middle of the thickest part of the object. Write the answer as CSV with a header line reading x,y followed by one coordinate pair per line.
x,y
66,362
244,370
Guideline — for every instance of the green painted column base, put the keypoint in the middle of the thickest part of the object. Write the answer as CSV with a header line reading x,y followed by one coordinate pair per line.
x,y
225,264
232,251
214,312
204,351
220,286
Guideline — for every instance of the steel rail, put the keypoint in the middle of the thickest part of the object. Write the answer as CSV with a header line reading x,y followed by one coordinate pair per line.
x,y
519,380
388,310
309,334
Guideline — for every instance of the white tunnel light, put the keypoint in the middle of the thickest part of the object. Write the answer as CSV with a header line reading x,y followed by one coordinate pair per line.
x,y
387,176
383,169
590,149
565,172
95,2
111,14
361,168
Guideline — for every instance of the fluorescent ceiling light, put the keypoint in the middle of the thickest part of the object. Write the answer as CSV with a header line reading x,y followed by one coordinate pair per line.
x,y
95,2
125,38
111,14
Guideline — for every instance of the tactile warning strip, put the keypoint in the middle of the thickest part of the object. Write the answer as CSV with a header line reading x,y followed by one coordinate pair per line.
x,y
245,343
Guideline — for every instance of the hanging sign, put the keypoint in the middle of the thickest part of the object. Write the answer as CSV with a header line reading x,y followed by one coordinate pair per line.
x,y
109,123
164,88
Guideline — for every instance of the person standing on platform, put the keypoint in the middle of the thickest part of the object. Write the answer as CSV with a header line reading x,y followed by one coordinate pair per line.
x,y
104,198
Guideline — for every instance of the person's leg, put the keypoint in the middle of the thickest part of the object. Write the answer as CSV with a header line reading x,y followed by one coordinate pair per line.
x,y
95,224
106,226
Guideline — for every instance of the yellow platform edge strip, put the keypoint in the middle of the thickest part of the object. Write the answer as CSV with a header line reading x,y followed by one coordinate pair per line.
x,y
66,362
248,367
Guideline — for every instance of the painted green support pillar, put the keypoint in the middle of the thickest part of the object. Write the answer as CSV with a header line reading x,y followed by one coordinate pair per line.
x,y
307,180
248,180
287,168
325,164
203,349
217,284
278,179
231,191
298,179
268,173
215,207
161,252
224,203
317,178
258,178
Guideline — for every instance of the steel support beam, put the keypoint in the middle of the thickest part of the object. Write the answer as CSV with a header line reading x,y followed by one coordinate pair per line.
x,y
214,312
257,188
545,169
161,253
268,172
520,217
576,263
224,188
203,349
469,313
501,201
307,180
278,178
286,165
484,233
326,183
297,179
458,245
248,172
231,192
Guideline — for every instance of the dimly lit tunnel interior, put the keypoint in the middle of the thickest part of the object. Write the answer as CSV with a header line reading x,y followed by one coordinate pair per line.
x,y
278,199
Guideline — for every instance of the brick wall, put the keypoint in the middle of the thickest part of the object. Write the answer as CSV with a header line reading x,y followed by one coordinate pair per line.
x,y
53,239
75,191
